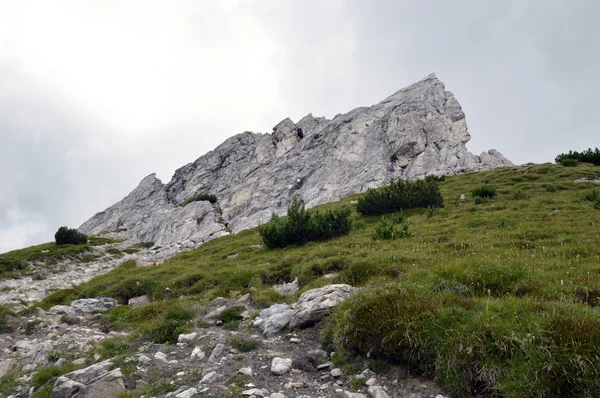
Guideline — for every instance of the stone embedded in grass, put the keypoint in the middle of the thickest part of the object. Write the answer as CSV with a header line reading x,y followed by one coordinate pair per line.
x,y
189,393
139,301
280,366
315,304
377,392
187,338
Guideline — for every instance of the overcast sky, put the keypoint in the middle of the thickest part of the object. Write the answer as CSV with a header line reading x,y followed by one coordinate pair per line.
x,y
95,95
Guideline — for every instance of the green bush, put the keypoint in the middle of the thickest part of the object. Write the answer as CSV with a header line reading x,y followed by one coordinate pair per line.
x,y
69,236
203,196
390,228
400,195
484,191
587,156
519,194
301,226
569,162
243,345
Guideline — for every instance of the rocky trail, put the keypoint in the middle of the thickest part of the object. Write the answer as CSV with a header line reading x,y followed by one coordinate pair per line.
x,y
274,352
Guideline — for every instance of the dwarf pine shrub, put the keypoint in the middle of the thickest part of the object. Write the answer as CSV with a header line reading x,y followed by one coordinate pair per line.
x,y
587,156
69,236
301,226
484,191
203,196
392,228
569,162
400,195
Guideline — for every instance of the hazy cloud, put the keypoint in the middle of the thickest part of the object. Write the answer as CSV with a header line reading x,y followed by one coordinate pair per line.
x,y
95,97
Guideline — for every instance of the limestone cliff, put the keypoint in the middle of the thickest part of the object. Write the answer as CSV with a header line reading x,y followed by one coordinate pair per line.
x,y
419,130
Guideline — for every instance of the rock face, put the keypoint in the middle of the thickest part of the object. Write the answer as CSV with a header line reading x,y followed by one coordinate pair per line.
x,y
419,130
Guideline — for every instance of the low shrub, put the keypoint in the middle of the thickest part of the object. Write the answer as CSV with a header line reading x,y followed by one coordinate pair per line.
x,y
594,197
569,162
69,236
519,194
587,156
231,314
484,191
203,196
400,195
243,345
301,226
511,349
390,228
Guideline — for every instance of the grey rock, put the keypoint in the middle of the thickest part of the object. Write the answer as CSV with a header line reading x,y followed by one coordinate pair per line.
x,y
83,306
216,313
418,130
273,319
377,392
6,366
287,289
281,366
95,381
160,356
198,353
277,395
139,301
187,338
210,377
216,353
245,371
337,372
189,393
315,304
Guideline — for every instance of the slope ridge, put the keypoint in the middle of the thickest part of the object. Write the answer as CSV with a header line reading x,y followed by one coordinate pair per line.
x,y
419,130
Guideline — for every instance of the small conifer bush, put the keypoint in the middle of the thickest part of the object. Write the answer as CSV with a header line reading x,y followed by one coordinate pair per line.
x,y
569,162
301,226
203,196
69,236
400,195
484,191
587,156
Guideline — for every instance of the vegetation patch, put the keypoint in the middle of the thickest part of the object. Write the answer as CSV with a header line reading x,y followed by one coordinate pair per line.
x,y
203,196
302,226
244,345
588,156
400,195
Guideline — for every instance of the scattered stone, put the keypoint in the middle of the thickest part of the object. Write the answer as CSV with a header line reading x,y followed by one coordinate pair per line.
x,y
315,304
216,353
94,381
187,338
324,366
138,301
216,313
295,340
287,289
189,393
273,319
210,377
281,366
337,372
277,395
198,353
462,197
377,392
245,371
371,382
160,356
245,299
6,366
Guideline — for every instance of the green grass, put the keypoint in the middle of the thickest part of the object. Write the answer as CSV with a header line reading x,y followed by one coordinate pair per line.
x,y
498,299
243,345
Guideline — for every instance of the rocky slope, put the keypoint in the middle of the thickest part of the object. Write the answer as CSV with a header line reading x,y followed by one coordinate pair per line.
x,y
419,130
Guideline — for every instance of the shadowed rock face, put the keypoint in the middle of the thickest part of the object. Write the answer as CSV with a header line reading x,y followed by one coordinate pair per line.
x,y
419,130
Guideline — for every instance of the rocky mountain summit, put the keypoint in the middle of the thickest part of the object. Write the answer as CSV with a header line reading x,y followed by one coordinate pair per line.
x,y
419,130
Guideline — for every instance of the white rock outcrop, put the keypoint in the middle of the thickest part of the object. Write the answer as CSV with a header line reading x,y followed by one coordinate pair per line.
x,y
419,130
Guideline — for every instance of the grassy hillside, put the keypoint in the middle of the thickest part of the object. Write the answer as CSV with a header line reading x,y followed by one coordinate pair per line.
x,y
498,298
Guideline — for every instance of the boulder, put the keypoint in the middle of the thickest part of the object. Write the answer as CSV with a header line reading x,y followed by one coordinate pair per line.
x,y
280,366
315,304
273,319
139,301
95,381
